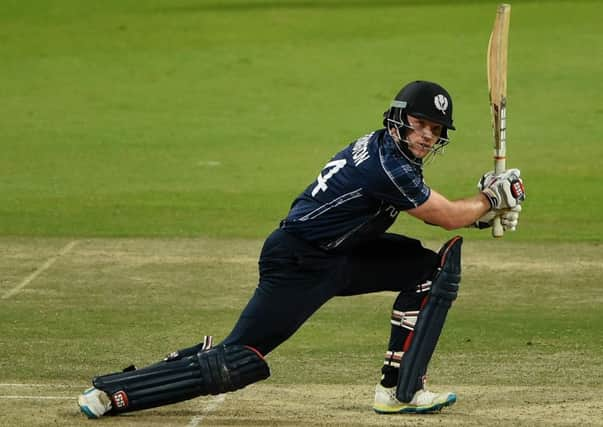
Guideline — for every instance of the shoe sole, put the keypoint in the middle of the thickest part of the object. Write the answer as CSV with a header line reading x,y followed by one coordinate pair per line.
x,y
410,409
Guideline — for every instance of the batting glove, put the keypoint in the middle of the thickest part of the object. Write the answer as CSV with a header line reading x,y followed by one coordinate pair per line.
x,y
508,218
504,191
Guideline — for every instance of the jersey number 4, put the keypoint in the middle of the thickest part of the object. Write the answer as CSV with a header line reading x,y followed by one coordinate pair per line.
x,y
332,168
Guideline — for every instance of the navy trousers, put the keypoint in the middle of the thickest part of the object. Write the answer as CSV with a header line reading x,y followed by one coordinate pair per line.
x,y
297,278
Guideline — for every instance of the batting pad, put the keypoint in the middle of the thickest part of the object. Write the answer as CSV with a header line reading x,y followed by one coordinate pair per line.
x,y
431,320
215,371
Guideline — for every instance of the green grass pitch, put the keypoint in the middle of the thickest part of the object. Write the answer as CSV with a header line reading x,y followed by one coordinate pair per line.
x,y
161,140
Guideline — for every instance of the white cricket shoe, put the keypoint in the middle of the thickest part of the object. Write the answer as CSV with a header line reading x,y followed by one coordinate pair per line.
x,y
94,403
422,402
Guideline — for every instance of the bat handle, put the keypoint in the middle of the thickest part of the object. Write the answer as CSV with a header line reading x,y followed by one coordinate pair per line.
x,y
497,228
499,167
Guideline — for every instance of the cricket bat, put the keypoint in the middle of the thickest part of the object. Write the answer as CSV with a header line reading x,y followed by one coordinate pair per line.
x,y
497,87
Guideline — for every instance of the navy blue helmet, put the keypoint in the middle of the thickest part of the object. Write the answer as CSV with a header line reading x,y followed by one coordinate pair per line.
x,y
424,100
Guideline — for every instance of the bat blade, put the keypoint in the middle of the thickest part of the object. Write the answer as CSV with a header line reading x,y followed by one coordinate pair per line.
x,y
497,87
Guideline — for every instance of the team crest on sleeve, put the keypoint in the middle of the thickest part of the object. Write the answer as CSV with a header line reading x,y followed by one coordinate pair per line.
x,y
441,103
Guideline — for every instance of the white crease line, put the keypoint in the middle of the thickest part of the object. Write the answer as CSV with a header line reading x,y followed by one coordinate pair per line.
x,y
42,385
40,269
210,407
38,397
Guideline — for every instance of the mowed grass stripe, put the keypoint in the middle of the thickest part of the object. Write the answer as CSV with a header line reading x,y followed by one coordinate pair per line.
x,y
142,116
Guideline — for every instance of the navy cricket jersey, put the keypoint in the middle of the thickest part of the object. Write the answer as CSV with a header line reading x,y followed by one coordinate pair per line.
x,y
357,195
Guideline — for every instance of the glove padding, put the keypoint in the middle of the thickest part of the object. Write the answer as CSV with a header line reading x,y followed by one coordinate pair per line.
x,y
508,218
504,191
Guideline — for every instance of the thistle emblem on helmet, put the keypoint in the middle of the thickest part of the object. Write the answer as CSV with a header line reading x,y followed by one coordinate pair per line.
x,y
441,103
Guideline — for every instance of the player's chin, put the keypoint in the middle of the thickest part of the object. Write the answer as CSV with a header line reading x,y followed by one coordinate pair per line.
x,y
419,150
420,153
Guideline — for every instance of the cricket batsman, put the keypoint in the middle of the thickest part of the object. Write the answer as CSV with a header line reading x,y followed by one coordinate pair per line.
x,y
334,242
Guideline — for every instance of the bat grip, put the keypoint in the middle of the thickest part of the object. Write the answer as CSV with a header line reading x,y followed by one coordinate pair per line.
x,y
497,228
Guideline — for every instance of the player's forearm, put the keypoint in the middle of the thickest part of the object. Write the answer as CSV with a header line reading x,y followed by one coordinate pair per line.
x,y
451,214
466,211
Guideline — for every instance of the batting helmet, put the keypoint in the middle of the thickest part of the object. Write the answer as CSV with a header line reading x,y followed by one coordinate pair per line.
x,y
425,100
